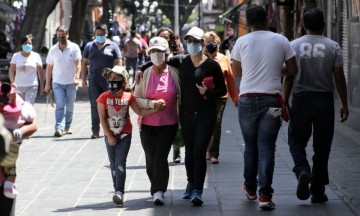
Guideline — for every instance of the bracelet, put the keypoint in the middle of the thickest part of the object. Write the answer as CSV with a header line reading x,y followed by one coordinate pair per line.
x,y
147,104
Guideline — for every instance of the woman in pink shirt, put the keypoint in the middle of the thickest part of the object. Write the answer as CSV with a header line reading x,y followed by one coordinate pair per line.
x,y
160,86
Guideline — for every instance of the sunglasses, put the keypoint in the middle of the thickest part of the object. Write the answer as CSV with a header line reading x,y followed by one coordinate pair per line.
x,y
192,40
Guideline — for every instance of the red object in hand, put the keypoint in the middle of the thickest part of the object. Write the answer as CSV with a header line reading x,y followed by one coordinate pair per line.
x,y
209,82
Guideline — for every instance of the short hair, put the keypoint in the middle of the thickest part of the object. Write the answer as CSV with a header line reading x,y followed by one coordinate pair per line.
x,y
314,19
213,35
102,27
256,15
62,28
25,38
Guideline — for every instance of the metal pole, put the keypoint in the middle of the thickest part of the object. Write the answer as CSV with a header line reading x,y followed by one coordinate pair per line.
x,y
176,17
329,14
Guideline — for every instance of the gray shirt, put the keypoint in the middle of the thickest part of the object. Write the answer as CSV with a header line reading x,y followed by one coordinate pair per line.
x,y
316,56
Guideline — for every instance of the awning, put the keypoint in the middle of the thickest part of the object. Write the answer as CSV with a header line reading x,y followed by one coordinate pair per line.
x,y
231,11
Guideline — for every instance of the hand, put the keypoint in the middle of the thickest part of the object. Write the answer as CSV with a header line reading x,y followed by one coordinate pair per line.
x,y
112,140
344,114
202,88
17,135
14,85
76,82
138,76
236,103
84,84
160,104
41,90
47,88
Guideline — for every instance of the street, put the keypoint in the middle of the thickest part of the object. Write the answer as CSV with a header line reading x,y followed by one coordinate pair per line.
x,y
70,175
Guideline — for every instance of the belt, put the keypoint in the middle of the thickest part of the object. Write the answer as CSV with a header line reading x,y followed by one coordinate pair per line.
x,y
257,94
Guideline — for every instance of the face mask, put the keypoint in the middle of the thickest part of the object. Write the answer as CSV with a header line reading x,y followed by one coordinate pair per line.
x,y
62,39
27,48
115,86
100,39
194,48
157,58
211,48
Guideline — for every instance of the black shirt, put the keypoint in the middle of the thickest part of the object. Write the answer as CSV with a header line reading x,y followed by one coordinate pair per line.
x,y
191,99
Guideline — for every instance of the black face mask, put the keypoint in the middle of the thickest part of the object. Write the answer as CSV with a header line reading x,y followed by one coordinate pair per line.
x,y
211,48
115,86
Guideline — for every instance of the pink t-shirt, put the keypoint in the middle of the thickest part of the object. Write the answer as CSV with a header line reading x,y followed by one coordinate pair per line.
x,y
162,86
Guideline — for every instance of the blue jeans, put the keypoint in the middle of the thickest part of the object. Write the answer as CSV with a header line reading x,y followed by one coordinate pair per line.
x,y
96,88
131,62
117,157
312,112
64,96
260,130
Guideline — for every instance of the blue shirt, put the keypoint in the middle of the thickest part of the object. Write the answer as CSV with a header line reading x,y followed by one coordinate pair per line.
x,y
100,58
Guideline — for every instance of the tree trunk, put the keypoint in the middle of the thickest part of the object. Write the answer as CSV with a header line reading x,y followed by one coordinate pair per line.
x,y
79,8
34,21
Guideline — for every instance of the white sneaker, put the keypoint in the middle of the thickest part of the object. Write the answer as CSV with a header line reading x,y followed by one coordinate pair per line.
x,y
118,198
158,198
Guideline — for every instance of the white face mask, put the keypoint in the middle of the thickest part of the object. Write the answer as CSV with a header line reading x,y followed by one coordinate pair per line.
x,y
157,58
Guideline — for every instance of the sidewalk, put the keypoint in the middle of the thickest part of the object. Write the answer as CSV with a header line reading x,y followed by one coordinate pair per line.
x,y
70,175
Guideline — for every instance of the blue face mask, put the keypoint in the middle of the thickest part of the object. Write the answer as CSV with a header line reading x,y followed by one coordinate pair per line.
x,y
100,39
27,48
194,48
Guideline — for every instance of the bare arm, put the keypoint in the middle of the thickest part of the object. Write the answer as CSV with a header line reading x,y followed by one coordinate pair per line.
x,y
236,68
340,83
77,72
41,79
289,74
103,121
49,68
84,72
28,129
12,74
118,62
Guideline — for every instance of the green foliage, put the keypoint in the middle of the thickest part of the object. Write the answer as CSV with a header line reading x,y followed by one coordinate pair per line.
x,y
193,16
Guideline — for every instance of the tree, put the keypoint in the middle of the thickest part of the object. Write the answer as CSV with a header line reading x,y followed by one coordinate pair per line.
x,y
35,18
79,8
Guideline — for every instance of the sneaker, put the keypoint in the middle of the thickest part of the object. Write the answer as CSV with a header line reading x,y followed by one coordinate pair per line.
x,y
265,203
10,190
188,191
158,198
214,160
249,195
196,199
68,131
176,156
58,133
95,135
303,191
118,198
319,198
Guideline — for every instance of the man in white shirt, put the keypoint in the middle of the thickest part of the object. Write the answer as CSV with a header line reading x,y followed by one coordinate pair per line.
x,y
63,67
258,58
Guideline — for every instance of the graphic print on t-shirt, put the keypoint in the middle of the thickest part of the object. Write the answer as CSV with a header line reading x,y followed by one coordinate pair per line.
x,y
116,119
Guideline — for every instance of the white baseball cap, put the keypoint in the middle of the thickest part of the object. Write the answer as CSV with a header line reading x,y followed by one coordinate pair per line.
x,y
158,43
195,32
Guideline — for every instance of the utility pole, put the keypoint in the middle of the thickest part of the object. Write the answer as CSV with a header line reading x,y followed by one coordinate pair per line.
x,y
176,17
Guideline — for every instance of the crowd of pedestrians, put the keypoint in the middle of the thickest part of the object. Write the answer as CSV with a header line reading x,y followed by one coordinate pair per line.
x,y
184,89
